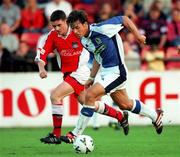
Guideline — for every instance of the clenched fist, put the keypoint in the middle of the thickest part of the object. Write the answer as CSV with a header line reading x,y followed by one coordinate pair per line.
x,y
142,39
43,74
88,83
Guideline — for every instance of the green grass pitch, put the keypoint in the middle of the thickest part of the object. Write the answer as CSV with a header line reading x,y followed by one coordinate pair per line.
x,y
142,141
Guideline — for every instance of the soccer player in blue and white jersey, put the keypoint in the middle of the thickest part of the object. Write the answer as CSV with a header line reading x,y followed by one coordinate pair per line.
x,y
104,42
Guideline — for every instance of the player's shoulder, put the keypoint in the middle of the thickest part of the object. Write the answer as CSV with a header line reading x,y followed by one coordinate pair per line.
x,y
71,33
107,26
52,33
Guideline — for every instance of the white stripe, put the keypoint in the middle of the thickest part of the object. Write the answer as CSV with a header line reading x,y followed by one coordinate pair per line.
x,y
88,106
100,105
58,57
108,29
120,48
160,124
159,119
31,99
43,39
134,105
58,109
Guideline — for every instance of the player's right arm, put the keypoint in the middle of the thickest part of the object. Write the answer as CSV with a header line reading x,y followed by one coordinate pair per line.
x,y
43,50
42,70
112,26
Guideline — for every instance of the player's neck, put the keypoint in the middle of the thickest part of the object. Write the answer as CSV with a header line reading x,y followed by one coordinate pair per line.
x,y
65,34
88,32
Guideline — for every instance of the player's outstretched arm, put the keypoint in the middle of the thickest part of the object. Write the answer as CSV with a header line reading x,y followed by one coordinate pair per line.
x,y
42,71
127,22
94,69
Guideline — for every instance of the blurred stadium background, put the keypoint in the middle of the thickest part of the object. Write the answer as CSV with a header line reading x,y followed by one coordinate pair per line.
x,y
154,74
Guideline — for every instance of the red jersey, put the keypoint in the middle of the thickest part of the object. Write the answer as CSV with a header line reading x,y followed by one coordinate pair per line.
x,y
68,48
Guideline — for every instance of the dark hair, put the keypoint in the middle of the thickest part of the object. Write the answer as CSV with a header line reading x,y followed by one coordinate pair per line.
x,y
57,15
77,15
154,7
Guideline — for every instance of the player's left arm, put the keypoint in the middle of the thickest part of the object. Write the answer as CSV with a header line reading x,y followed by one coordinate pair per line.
x,y
127,22
94,70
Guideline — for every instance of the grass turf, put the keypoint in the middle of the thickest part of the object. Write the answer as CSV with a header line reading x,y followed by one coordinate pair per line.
x,y
142,141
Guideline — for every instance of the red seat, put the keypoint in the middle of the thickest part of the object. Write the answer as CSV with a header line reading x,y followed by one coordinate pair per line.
x,y
89,8
173,59
30,38
74,2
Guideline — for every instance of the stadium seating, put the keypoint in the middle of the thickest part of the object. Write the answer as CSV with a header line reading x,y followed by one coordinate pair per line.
x,y
172,59
30,38
89,8
74,2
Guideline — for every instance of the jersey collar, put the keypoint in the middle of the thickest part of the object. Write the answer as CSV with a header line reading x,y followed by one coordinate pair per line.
x,y
67,34
90,32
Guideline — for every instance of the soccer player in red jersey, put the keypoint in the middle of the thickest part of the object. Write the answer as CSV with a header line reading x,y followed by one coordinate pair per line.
x,y
73,59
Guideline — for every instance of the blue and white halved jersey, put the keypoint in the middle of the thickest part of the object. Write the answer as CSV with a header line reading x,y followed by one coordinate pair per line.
x,y
105,42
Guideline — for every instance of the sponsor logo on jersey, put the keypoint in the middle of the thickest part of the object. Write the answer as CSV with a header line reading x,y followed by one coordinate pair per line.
x,y
74,44
100,49
70,52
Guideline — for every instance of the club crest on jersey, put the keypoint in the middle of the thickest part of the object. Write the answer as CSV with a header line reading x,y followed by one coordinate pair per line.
x,y
98,41
74,44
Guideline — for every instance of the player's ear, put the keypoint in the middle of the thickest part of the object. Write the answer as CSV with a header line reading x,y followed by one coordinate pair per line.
x,y
86,23
65,21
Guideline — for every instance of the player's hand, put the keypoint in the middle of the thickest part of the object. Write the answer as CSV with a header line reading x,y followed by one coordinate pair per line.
x,y
88,83
43,74
142,39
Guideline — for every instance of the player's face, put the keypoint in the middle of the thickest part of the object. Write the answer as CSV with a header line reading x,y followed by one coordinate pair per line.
x,y
60,26
80,29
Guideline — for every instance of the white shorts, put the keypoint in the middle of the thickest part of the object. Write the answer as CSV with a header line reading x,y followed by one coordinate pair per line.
x,y
81,74
113,78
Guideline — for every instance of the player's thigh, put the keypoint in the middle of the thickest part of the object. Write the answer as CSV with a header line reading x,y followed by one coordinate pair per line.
x,y
120,97
62,90
81,97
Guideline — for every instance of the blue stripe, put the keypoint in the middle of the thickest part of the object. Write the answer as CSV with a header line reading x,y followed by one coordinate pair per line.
x,y
87,111
118,81
138,107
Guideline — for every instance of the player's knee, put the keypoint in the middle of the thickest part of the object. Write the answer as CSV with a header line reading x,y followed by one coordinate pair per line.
x,y
90,96
81,98
54,97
